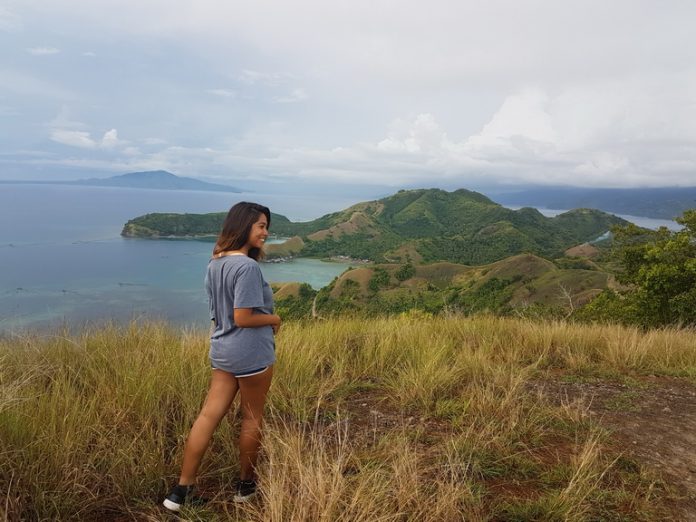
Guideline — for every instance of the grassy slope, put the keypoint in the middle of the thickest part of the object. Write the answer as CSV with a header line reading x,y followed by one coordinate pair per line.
x,y
527,279
408,418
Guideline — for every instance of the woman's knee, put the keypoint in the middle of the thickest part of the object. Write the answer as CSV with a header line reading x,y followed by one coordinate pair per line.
x,y
212,415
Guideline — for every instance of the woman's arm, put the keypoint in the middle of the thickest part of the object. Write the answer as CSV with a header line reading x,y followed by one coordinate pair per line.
x,y
246,318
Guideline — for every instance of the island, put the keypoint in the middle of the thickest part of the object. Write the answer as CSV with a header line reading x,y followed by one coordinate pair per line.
x,y
419,226
153,179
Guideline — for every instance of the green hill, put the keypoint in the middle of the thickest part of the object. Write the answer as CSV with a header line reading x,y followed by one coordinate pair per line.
x,y
166,225
515,283
429,225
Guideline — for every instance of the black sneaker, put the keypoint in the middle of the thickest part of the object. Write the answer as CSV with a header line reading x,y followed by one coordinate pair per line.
x,y
181,495
245,490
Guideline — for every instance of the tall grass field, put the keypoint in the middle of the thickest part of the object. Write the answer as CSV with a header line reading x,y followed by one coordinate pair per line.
x,y
409,418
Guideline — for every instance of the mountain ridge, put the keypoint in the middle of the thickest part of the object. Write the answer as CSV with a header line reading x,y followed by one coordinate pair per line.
x,y
424,225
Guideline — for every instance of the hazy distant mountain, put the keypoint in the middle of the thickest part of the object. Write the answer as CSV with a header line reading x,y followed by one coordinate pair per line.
x,y
155,179
152,179
661,203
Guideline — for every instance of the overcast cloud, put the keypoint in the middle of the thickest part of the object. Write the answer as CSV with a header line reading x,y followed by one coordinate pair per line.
x,y
380,93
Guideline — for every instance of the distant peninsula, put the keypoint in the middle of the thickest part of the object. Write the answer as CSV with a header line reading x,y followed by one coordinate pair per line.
x,y
422,226
152,179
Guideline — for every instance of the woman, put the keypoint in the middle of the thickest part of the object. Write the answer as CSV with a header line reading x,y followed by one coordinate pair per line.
x,y
242,348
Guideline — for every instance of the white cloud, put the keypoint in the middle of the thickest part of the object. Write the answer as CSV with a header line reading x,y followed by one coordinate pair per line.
x,y
420,135
251,77
89,54
73,138
84,140
296,95
42,51
524,142
154,141
447,41
8,111
65,120
22,84
9,21
223,93
522,119
110,139
532,138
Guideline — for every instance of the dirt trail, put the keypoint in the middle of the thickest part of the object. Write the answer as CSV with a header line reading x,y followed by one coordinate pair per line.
x,y
654,420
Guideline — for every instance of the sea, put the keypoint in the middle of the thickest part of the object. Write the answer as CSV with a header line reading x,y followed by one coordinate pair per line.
x,y
63,262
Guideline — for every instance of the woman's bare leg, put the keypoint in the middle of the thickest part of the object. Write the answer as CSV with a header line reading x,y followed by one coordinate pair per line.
x,y
253,390
223,388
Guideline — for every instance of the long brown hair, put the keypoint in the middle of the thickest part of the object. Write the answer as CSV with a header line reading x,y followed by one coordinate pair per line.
x,y
237,226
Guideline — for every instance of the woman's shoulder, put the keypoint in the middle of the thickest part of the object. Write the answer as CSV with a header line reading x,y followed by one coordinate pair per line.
x,y
240,263
232,263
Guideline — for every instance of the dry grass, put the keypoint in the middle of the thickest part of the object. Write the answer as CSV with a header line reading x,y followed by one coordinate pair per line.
x,y
406,418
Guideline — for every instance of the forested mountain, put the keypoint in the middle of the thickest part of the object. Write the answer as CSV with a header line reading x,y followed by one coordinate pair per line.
x,y
419,225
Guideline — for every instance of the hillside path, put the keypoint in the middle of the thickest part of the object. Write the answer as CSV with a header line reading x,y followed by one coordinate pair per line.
x,y
653,421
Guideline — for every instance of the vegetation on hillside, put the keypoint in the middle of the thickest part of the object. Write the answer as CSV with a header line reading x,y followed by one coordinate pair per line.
x,y
523,284
294,301
407,418
648,278
158,225
435,225
659,271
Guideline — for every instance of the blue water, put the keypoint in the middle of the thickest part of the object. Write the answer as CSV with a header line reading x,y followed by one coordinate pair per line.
x,y
62,259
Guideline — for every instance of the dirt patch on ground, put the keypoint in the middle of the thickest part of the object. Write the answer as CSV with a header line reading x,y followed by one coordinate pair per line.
x,y
653,420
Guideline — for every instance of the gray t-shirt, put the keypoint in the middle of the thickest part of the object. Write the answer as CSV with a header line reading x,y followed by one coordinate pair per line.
x,y
236,282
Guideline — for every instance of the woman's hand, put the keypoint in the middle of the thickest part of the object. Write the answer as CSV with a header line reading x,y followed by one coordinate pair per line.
x,y
246,318
276,325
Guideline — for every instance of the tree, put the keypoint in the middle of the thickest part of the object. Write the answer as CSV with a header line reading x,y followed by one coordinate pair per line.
x,y
405,271
659,267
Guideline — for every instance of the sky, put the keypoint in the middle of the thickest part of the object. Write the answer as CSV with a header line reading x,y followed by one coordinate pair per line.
x,y
354,96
